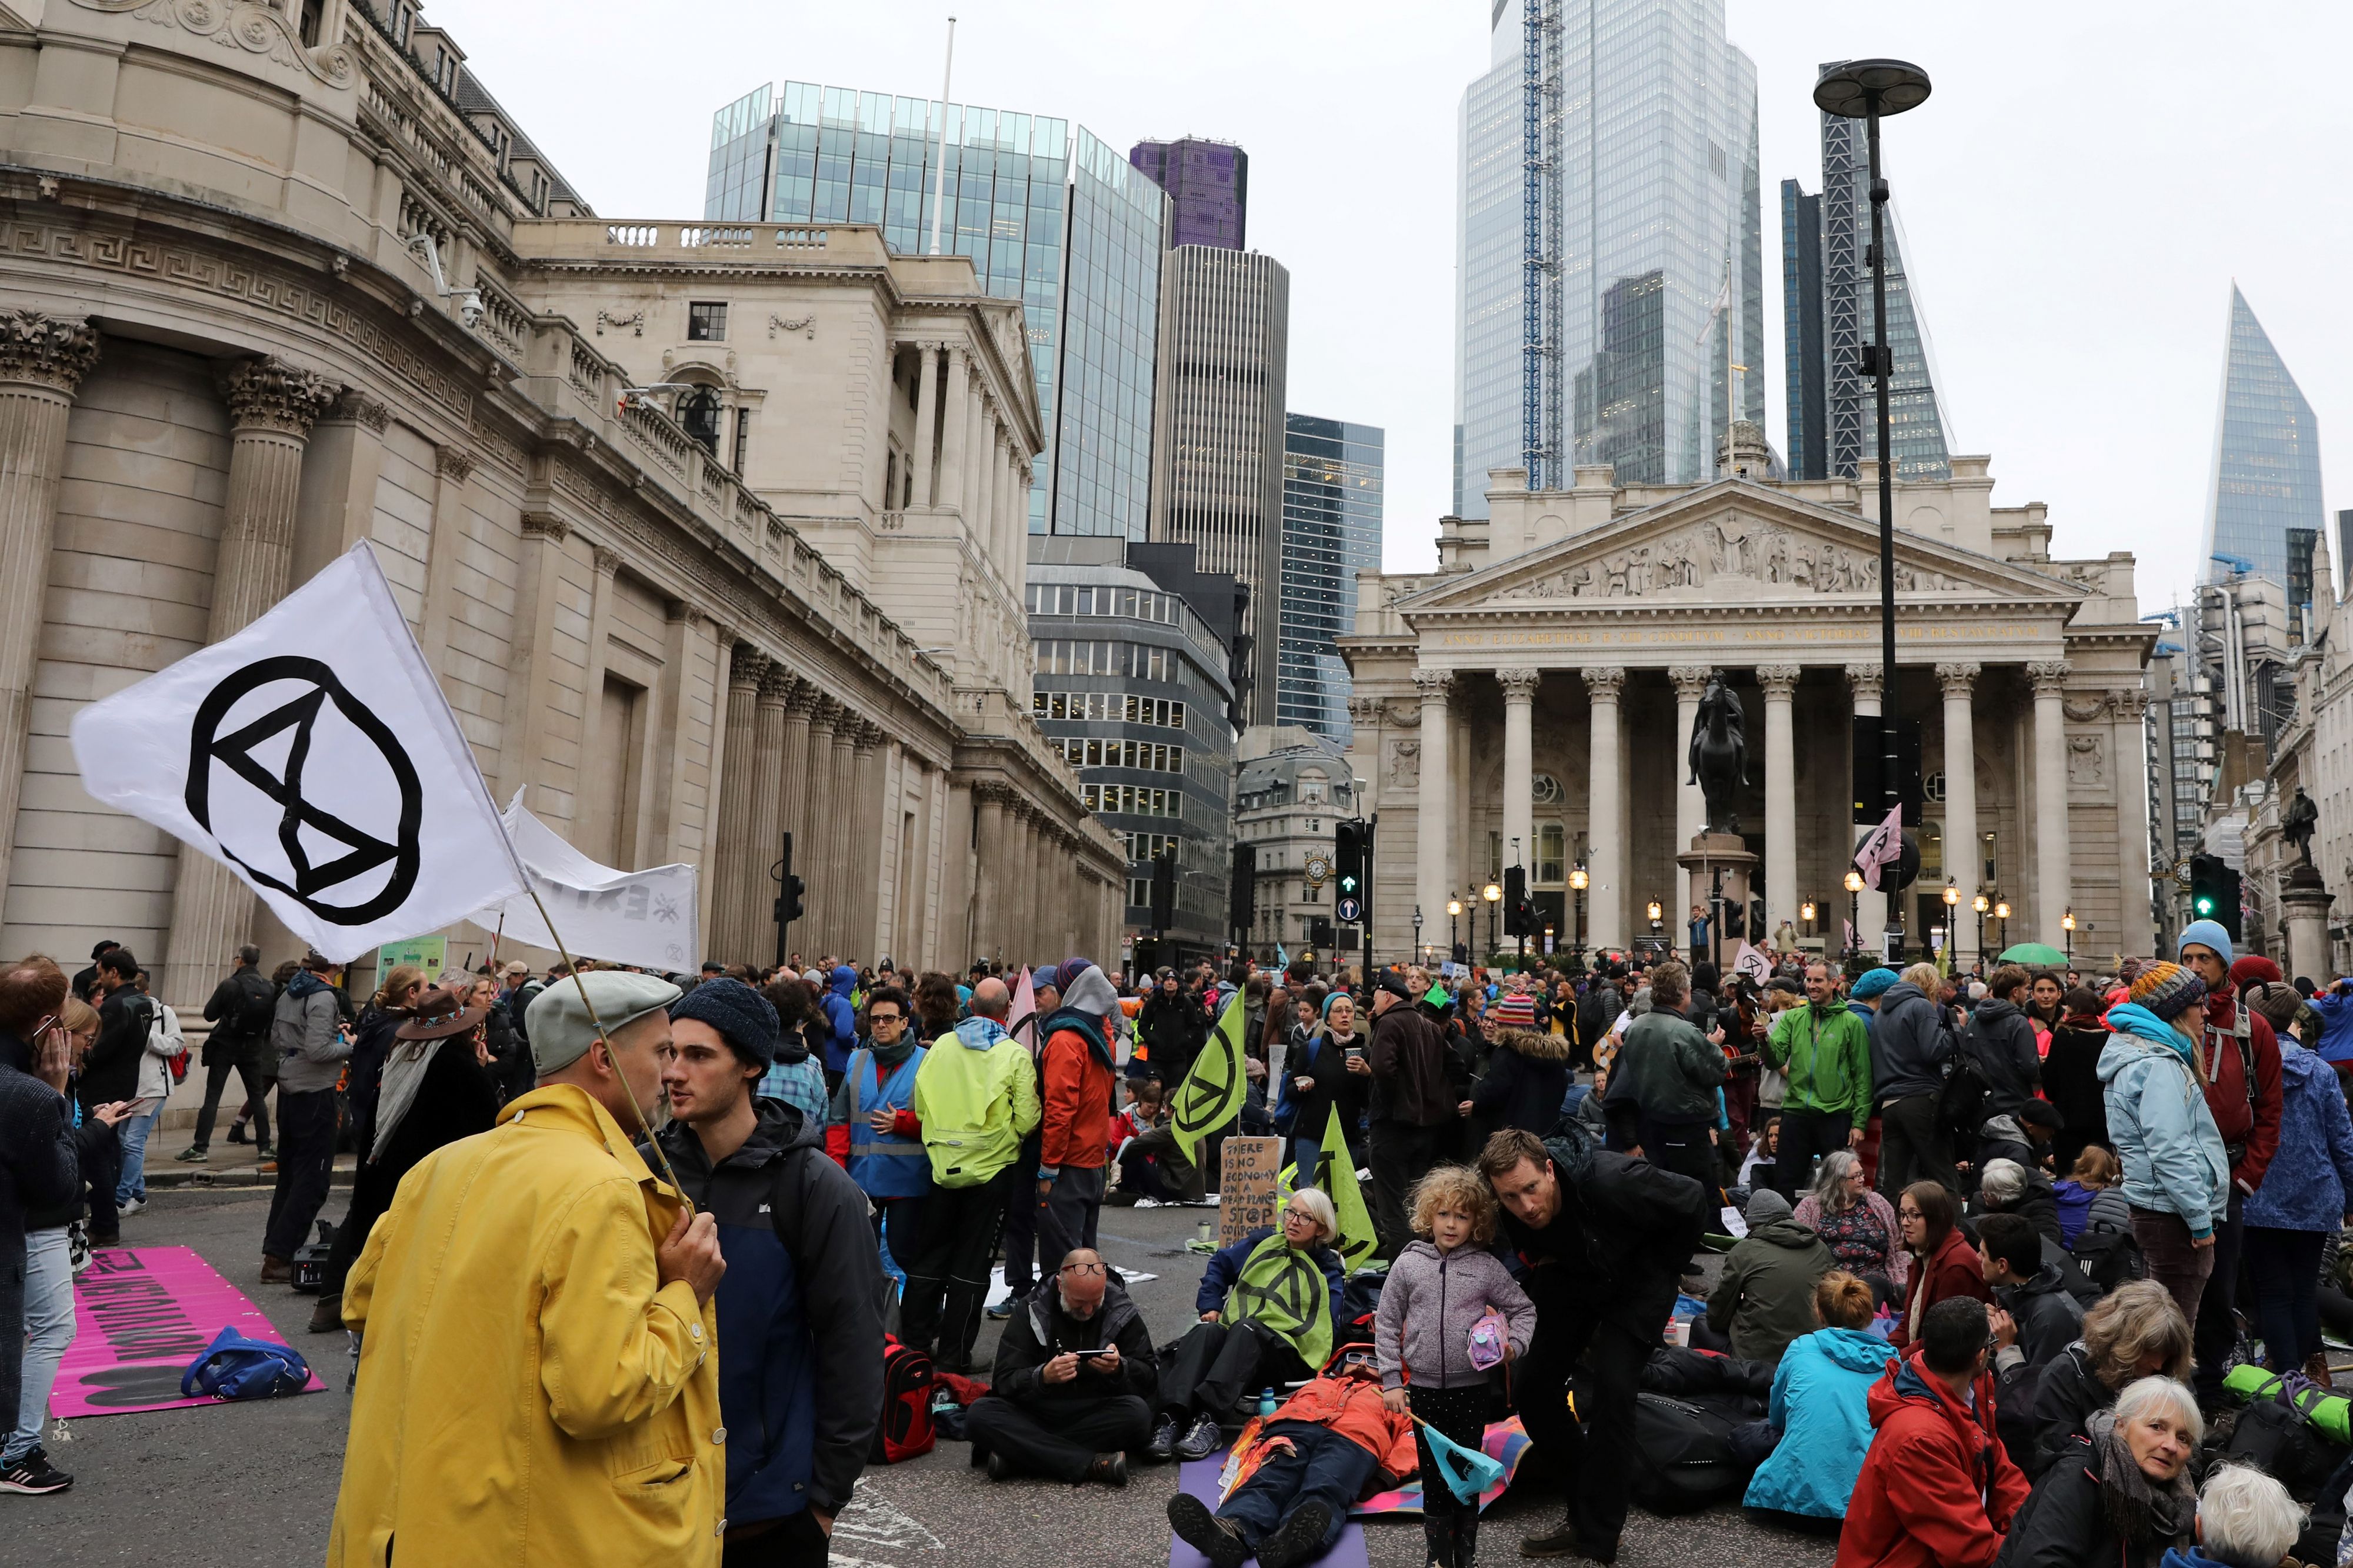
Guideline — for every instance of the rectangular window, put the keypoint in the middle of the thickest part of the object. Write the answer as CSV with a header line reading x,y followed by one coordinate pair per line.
x,y
1037,700
1064,598
1094,753
1086,601
744,441
706,322
1552,854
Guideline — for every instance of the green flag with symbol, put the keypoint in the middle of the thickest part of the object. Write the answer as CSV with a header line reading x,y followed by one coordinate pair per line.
x,y
1212,1092
1335,1174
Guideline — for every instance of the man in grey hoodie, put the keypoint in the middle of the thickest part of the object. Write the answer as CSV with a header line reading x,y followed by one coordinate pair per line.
x,y
307,1036
1911,1040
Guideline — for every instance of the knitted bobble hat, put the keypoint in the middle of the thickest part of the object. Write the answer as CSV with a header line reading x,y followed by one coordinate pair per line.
x,y
2168,990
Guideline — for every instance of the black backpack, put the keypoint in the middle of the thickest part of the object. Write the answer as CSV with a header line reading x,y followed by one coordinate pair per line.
x,y
1684,1459
2285,1447
1961,1103
1594,1013
2110,1257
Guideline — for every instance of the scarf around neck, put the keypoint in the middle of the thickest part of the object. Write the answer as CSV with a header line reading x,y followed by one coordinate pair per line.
x,y
2141,1512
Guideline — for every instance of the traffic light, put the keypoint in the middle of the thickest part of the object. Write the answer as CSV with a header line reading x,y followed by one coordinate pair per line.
x,y
1519,915
1348,856
789,889
1163,889
2214,893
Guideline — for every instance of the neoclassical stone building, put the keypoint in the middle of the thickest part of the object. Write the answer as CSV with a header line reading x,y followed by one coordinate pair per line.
x,y
1539,687
277,280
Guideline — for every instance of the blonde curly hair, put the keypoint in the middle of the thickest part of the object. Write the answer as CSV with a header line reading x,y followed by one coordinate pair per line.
x,y
1456,1187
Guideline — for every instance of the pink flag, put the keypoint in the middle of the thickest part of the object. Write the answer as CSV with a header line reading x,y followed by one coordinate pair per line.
x,y
1024,1013
1883,846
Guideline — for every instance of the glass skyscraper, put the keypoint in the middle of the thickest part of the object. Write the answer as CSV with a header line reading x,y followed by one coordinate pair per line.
x,y
1048,214
2267,481
1209,189
1332,479
1660,241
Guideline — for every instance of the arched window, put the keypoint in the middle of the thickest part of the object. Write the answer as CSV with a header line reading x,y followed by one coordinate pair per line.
x,y
698,410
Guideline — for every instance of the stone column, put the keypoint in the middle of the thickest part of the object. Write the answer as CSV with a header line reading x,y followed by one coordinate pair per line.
x,y
813,842
756,911
42,361
956,411
452,467
1963,858
839,811
1605,810
1519,766
271,407
793,791
1780,684
1870,908
927,415
1431,822
1691,806
732,857
989,799
2129,758
2051,847
1017,486
866,847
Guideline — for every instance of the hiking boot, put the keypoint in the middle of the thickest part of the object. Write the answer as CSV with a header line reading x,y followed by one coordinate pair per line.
x,y
194,1155
1163,1445
1000,1468
2315,1367
276,1270
1296,1538
1202,1441
1109,1468
1564,1542
327,1317
34,1476
1219,1540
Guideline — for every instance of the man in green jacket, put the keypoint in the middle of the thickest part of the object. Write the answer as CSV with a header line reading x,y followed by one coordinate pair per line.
x,y
1662,1100
1826,1050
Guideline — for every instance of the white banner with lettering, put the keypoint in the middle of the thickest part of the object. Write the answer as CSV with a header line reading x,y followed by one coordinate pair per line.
x,y
629,917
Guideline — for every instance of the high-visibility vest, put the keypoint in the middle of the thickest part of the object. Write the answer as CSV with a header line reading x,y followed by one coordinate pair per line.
x,y
884,1164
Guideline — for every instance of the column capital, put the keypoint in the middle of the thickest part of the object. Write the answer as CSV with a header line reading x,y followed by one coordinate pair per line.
x,y
356,407
804,698
1519,682
546,525
992,792
2049,676
607,561
1958,680
1779,680
1691,681
1603,680
55,351
1868,680
776,683
1363,710
265,394
454,462
1433,684
870,733
826,711
746,665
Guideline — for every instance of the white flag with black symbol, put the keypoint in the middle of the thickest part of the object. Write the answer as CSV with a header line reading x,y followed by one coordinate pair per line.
x,y
644,918
315,755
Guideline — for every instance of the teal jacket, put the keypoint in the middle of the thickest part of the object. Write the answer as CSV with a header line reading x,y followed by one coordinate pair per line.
x,y
1827,1054
1821,1405
2173,1157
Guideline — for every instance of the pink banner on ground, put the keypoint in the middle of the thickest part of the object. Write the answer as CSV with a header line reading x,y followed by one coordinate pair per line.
x,y
141,1315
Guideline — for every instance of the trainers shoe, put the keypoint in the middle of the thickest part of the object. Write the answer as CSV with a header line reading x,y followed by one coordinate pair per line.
x,y
133,1207
327,1317
265,1152
1219,1540
1001,1312
34,1476
998,1468
194,1157
1296,1538
1163,1445
1202,1441
1109,1468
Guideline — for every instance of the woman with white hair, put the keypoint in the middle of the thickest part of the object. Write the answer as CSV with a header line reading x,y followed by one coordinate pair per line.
x,y
2122,1495
2245,1520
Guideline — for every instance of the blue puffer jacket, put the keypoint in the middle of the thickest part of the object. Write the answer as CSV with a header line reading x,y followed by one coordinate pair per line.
x,y
2306,1185
842,1017
1821,1406
2335,1010
2173,1157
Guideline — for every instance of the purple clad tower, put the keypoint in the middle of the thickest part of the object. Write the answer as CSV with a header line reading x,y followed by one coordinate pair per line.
x,y
1207,184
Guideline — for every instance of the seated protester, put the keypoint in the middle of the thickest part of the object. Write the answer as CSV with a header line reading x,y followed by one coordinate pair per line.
x,y
1074,1380
2119,1495
1587,1106
2006,1186
1138,1172
1764,1148
2092,1197
1858,1226
2245,1520
1325,1448
1820,1406
2135,1331
1936,1491
1764,1298
1944,1263
1249,1337
2043,1318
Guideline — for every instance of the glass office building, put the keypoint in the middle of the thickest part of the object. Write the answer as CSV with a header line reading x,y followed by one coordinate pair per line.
x,y
1048,214
1209,189
1660,245
2267,481
1332,476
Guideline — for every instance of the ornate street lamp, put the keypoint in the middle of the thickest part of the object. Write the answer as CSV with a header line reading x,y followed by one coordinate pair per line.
x,y
1981,903
1454,912
1854,910
1578,880
1494,893
2067,924
1806,912
2001,914
1952,897
1417,935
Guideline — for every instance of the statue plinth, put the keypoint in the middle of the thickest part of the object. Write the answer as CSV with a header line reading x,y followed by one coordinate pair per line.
x,y
1729,854
2305,898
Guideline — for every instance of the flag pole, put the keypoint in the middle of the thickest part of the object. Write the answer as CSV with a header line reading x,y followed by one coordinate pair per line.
x,y
572,965
494,941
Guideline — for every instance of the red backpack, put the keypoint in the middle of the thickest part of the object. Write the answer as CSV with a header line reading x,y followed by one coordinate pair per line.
x,y
906,1429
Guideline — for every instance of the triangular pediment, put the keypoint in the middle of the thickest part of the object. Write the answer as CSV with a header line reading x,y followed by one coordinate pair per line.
x,y
1738,544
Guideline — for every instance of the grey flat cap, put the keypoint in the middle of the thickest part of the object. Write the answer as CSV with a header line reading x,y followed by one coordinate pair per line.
x,y
557,1018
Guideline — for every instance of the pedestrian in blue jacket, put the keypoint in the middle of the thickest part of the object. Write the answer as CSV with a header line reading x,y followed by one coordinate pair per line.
x,y
2307,1195
1820,1406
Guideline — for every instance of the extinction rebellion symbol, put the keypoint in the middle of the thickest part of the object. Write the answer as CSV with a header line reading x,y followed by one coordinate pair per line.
x,y
317,755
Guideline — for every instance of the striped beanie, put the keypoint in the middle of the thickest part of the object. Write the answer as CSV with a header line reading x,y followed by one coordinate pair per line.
x,y
2167,990
1517,1011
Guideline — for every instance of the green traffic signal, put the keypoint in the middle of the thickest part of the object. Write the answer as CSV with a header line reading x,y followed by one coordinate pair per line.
x,y
1347,884
2205,907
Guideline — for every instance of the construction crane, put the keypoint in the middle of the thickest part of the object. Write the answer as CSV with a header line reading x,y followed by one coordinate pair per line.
x,y
1541,425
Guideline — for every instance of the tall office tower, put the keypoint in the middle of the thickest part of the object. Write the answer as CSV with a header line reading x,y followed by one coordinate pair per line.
x,y
1648,227
1801,331
1207,184
1225,329
1048,214
1332,479
1915,418
2266,457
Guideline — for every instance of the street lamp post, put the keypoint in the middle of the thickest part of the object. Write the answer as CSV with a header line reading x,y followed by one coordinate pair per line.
x,y
1579,881
1806,912
2067,924
1866,90
2001,914
1420,950
1981,903
1952,895
1653,911
1453,912
1854,910
1494,894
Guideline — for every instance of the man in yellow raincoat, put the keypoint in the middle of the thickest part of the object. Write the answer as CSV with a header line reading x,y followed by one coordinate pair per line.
x,y
539,1370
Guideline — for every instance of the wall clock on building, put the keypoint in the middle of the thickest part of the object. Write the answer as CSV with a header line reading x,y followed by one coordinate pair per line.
x,y
1319,871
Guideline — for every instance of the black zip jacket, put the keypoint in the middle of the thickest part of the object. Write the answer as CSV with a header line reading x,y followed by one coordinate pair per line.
x,y
1039,1330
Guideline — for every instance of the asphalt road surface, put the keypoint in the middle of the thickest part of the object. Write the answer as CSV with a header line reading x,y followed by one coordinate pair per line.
x,y
255,1484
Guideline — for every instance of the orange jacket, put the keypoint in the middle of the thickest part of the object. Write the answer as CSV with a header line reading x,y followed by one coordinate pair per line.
x,y
1076,1128
1352,1407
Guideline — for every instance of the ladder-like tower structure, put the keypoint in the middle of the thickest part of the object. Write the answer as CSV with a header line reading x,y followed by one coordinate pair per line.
x,y
1544,440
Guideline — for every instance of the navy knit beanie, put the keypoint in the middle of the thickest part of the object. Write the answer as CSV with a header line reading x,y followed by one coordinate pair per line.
x,y
745,1019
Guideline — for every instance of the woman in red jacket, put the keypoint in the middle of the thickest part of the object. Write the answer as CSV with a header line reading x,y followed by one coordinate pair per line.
x,y
1944,1263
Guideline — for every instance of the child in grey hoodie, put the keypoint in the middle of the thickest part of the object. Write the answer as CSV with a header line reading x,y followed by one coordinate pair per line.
x,y
1442,1284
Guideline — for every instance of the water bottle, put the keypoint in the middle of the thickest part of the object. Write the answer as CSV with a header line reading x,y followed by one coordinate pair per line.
x,y
1818,1171
1265,1403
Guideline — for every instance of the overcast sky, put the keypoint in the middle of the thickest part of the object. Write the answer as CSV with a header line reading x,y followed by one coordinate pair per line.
x,y
2077,196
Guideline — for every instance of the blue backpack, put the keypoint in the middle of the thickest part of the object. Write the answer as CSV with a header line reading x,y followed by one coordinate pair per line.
x,y
235,1367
